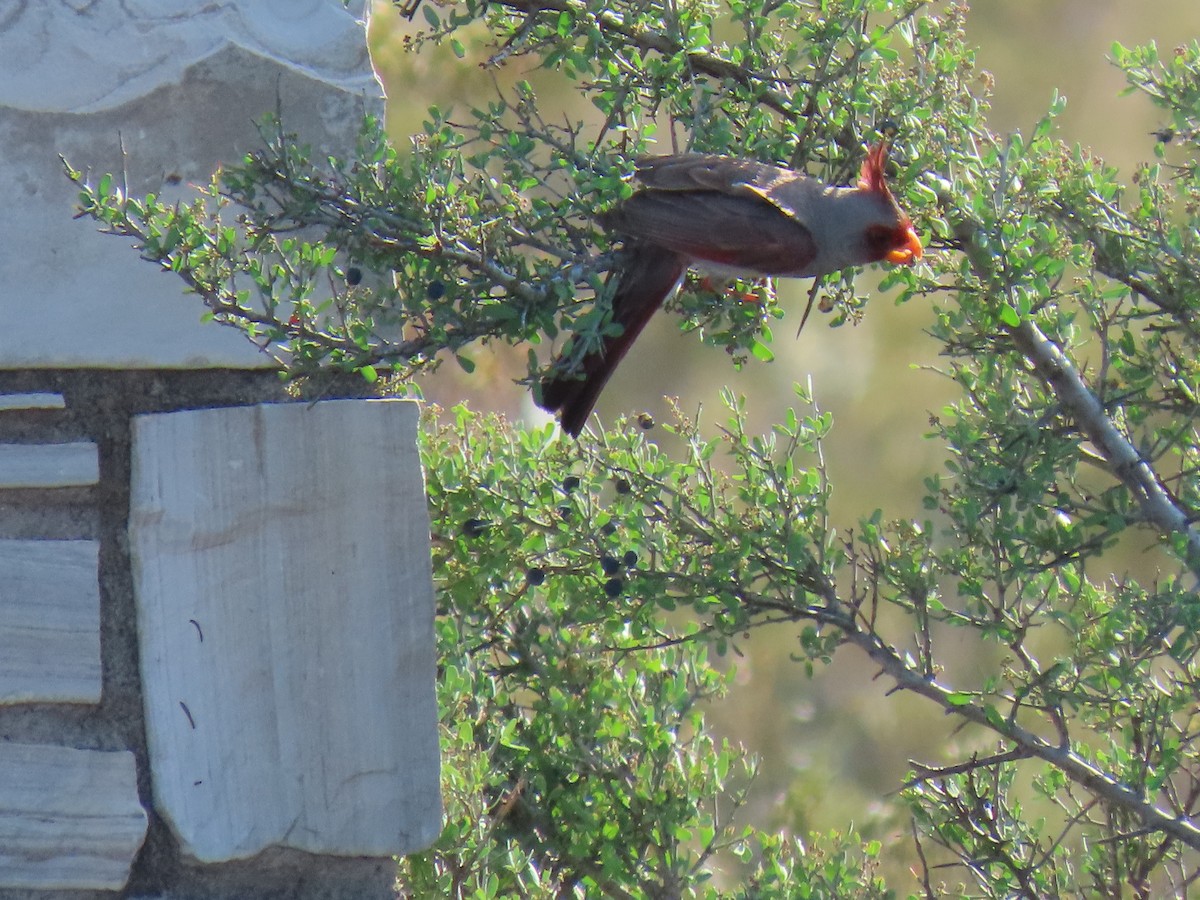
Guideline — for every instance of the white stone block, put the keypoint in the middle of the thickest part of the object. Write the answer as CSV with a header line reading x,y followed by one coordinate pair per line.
x,y
69,819
285,610
49,622
181,86
31,401
48,465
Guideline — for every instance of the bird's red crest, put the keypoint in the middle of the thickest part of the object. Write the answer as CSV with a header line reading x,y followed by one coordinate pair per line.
x,y
872,177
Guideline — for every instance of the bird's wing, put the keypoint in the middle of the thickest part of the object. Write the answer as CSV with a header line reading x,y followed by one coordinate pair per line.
x,y
736,229
697,172
736,177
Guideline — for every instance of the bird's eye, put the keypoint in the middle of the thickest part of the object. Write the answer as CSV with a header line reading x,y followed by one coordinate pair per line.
x,y
880,239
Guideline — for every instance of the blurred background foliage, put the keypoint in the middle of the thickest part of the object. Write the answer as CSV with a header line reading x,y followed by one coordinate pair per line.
x,y
833,746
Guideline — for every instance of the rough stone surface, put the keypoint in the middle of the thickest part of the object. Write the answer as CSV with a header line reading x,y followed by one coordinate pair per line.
x,y
180,86
285,611
49,622
68,818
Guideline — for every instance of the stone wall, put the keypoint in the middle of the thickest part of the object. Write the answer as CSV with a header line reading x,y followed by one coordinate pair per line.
x,y
216,609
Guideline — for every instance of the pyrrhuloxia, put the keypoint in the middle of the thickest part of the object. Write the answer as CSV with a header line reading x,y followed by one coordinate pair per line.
x,y
730,218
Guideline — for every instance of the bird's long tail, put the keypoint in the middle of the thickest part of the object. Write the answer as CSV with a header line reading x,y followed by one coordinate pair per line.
x,y
650,276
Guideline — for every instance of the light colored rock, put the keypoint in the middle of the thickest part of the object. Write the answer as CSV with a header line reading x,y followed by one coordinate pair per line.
x,y
49,622
181,86
31,401
285,609
48,465
68,818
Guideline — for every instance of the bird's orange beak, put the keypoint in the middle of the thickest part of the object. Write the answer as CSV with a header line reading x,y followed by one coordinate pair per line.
x,y
908,252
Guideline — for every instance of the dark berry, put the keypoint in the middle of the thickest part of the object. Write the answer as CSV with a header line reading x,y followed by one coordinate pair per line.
x,y
435,290
622,486
608,529
475,527
564,511
613,587
536,576
630,559
609,564
645,421
353,276
570,483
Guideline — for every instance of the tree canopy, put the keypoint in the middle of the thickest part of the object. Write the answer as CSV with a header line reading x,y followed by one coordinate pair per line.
x,y
585,587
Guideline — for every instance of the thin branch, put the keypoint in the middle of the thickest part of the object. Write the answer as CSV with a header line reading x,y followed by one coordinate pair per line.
x,y
925,883
1074,766
928,773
